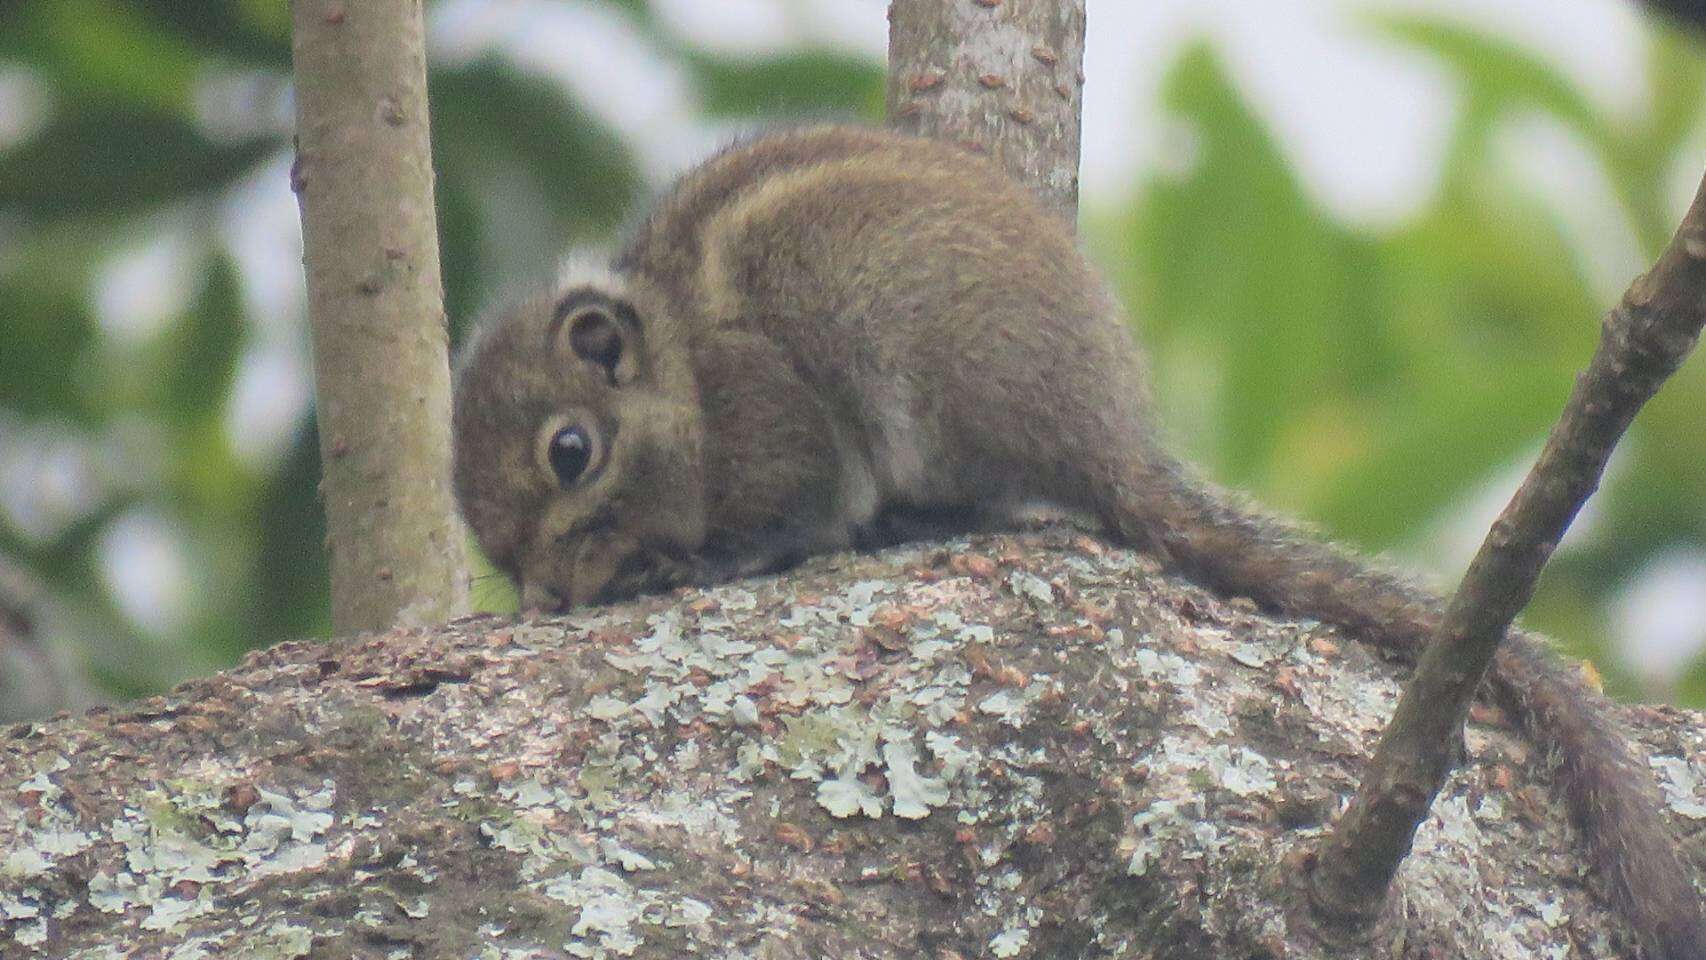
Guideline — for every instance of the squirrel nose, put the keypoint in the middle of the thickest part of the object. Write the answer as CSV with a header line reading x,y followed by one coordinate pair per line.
x,y
538,596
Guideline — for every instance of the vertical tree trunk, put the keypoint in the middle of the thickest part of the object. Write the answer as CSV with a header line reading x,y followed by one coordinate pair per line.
x,y
1006,76
364,179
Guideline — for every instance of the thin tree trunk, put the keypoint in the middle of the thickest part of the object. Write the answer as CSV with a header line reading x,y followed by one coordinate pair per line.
x,y
1006,76
364,179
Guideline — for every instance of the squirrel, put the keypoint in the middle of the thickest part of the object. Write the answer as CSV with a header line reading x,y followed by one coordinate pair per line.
x,y
841,336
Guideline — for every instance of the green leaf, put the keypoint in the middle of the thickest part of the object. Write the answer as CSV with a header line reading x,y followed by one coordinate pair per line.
x,y
1676,77
198,353
1692,688
47,321
639,10
1676,81
289,592
462,260
106,52
255,33
1490,316
112,162
560,159
1498,73
1501,79
1368,381
489,590
817,84
1240,267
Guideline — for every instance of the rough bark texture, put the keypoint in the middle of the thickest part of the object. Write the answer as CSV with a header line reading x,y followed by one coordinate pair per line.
x,y
1002,75
363,175
1018,746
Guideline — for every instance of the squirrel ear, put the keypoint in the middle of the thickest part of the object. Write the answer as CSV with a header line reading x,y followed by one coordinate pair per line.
x,y
597,332
596,337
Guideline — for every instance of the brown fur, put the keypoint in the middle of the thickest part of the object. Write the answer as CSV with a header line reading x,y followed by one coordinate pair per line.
x,y
844,334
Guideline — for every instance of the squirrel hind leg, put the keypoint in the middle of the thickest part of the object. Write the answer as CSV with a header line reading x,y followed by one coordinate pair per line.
x,y
900,523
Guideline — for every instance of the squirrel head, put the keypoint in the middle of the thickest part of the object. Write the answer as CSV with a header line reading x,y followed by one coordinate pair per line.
x,y
578,440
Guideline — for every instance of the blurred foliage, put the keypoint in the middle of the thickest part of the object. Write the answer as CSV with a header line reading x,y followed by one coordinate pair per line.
x,y
1372,382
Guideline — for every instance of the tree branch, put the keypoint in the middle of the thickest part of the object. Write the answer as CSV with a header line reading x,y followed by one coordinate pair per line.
x,y
1029,746
363,175
1643,340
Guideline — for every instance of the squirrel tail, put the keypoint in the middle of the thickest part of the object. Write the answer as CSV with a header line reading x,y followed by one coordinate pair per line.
x,y
1216,538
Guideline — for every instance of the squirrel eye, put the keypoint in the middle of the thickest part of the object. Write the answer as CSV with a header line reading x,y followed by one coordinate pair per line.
x,y
569,452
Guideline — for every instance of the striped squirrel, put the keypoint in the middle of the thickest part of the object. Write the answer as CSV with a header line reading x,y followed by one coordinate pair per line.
x,y
840,336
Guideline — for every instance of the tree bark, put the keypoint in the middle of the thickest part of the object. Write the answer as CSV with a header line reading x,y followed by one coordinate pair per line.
x,y
1006,76
1017,746
364,178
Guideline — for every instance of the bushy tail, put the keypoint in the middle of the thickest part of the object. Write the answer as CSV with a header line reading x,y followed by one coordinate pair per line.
x,y
1218,540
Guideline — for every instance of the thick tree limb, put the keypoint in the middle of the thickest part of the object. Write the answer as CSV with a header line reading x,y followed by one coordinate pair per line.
x,y
363,175
1002,76
1643,341
1026,746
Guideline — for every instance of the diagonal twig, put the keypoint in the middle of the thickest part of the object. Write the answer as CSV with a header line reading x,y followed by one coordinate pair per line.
x,y
1643,340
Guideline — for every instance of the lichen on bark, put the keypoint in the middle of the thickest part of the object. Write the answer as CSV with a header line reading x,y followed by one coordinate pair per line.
x,y
1026,746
